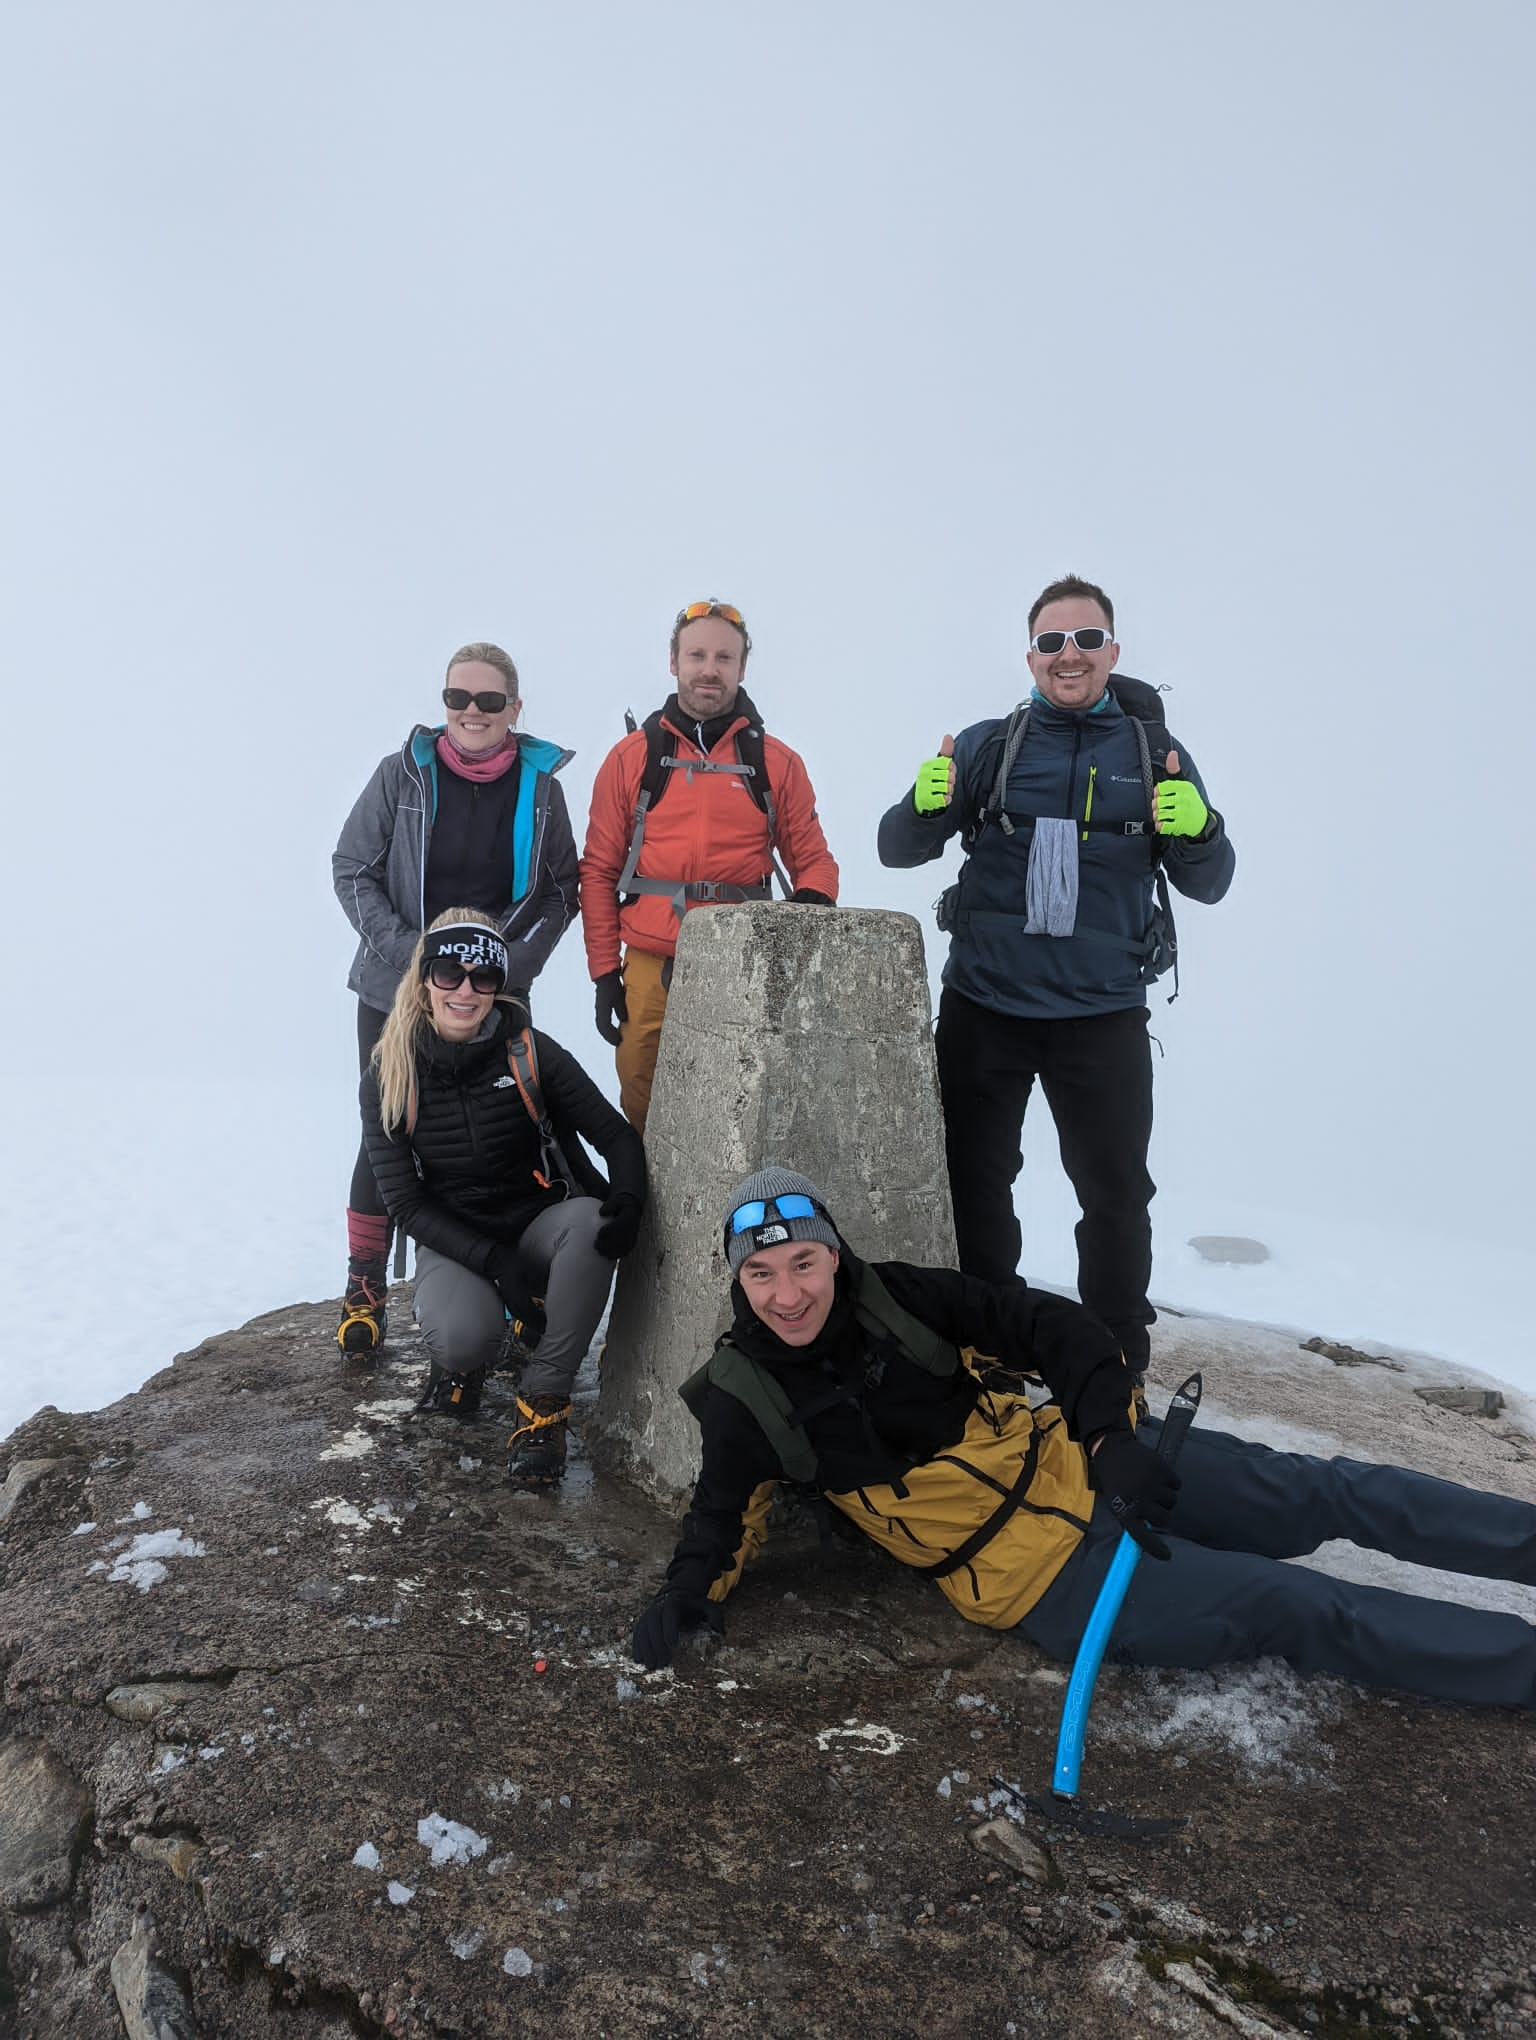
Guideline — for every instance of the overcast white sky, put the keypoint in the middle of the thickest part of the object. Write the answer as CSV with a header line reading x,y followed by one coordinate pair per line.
x,y
335,335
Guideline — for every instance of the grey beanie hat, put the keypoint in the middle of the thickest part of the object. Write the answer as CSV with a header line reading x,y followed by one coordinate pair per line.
x,y
767,1185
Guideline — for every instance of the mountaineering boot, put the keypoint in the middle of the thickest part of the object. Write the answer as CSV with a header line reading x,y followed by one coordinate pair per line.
x,y
537,1445
452,1395
363,1316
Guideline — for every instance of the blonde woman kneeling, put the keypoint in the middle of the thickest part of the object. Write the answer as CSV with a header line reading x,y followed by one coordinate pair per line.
x,y
501,1210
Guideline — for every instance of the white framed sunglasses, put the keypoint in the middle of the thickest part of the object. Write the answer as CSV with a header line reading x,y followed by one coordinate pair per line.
x,y
1090,638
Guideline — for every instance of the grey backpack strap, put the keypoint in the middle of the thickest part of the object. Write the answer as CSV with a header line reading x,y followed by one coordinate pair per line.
x,y
1018,726
626,878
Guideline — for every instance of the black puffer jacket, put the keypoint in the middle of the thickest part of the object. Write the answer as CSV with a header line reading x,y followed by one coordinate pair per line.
x,y
462,1182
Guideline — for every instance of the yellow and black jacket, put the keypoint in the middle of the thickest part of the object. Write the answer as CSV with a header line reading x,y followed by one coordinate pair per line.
x,y
892,1419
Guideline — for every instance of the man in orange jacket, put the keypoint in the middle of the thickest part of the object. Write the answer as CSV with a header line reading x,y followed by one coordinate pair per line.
x,y
697,806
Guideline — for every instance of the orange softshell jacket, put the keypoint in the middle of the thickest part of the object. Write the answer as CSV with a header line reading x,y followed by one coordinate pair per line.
x,y
708,828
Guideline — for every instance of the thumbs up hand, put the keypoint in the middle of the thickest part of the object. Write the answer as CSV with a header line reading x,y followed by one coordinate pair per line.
x,y
1178,809
936,780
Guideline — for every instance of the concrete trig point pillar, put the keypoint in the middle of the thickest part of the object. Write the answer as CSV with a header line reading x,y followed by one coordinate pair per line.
x,y
795,1035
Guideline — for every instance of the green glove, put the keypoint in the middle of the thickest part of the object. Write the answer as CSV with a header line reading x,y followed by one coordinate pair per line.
x,y
1180,810
935,780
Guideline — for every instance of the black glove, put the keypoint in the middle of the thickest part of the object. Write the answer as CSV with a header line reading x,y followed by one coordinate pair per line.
x,y
807,896
505,1271
611,1008
673,1610
1137,1485
620,1212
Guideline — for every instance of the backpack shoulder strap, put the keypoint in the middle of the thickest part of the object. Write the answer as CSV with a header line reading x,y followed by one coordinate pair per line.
x,y
992,769
523,1061
878,1311
1143,706
752,757
730,1369
660,746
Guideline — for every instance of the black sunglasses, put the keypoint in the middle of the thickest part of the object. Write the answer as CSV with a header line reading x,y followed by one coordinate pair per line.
x,y
459,698
448,975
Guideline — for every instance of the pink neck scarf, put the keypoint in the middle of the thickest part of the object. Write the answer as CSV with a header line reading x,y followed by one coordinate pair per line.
x,y
480,766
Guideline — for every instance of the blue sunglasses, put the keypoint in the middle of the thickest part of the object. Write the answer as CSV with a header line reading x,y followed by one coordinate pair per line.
x,y
745,1216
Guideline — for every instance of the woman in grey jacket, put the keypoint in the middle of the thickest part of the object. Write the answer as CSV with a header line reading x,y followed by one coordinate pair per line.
x,y
467,812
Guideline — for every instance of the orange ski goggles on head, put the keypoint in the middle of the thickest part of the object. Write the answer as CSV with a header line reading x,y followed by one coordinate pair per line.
x,y
695,612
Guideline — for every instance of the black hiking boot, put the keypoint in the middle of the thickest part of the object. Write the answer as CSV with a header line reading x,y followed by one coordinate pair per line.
x,y
452,1395
537,1445
363,1316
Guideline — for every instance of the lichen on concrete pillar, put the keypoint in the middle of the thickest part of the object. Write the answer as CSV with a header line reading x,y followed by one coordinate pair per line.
x,y
794,1035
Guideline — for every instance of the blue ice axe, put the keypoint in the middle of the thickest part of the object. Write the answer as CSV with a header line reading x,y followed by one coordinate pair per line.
x,y
1062,1807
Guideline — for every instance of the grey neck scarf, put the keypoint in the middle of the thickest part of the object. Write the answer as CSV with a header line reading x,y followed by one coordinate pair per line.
x,y
1050,887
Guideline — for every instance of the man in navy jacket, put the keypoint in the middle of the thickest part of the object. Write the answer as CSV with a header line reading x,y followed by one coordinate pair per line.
x,y
1055,933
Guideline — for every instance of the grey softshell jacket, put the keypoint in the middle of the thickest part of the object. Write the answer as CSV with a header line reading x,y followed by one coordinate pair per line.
x,y
380,865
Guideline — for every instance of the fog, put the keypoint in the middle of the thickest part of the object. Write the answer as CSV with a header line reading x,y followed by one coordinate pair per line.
x,y
335,337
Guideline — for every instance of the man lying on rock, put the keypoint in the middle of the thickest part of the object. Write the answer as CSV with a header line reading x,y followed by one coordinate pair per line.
x,y
847,1377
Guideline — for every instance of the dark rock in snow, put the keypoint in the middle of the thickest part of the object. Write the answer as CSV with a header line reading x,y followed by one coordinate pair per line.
x,y
1349,1356
1230,1249
1469,1402
355,1724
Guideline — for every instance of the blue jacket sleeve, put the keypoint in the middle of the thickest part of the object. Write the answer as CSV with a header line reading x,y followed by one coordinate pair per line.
x,y
533,927
905,837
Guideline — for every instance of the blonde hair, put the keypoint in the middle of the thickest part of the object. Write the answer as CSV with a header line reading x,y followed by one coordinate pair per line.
x,y
399,1044
487,655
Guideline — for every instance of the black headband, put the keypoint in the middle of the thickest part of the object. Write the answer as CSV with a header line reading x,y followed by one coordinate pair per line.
x,y
469,943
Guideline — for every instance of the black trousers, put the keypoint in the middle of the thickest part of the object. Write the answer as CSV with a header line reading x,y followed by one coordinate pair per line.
x,y
1224,1596
364,1194
1096,1073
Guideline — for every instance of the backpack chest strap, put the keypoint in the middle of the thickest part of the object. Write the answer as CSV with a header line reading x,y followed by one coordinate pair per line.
x,y
686,893
983,1534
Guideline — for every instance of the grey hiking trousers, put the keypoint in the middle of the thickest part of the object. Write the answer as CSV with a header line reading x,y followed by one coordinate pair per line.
x,y
1225,1596
462,1318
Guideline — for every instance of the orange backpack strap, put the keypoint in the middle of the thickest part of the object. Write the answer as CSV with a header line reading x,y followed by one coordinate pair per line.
x,y
523,1061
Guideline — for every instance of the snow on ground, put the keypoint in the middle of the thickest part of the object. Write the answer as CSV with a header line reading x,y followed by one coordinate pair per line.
x,y
185,1209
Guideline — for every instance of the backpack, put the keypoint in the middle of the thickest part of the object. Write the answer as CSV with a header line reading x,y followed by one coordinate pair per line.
x,y
523,1062
660,761
1143,709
